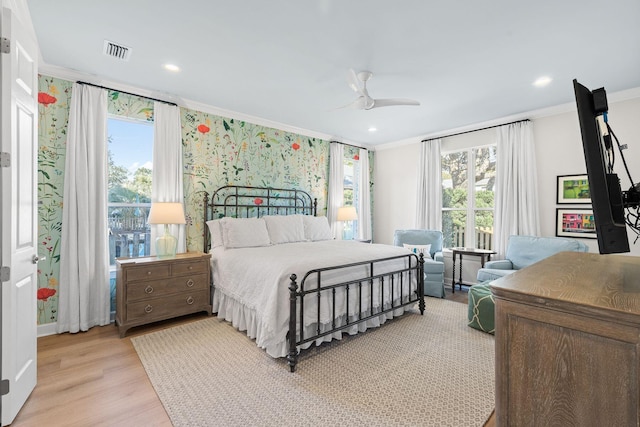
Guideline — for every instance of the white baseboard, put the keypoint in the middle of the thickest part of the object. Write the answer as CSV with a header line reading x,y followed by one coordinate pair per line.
x,y
52,328
47,329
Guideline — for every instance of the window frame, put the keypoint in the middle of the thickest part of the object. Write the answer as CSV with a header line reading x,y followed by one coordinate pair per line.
x,y
135,250
471,209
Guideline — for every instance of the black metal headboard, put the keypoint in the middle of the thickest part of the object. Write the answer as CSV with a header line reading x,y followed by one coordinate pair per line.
x,y
247,202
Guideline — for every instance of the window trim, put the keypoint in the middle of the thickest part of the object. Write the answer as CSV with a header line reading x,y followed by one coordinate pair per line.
x,y
471,209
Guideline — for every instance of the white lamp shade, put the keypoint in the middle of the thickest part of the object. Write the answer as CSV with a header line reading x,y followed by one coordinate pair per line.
x,y
166,213
347,213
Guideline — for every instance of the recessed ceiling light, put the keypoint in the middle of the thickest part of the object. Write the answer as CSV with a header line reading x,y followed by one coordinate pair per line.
x,y
372,129
171,67
542,81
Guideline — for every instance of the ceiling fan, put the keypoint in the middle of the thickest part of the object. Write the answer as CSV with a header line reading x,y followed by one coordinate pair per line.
x,y
358,82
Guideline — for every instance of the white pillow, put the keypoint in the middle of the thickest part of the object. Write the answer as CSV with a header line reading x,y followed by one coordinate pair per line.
x,y
417,249
244,232
284,228
215,231
316,228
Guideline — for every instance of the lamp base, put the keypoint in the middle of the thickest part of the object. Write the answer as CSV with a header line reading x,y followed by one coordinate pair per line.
x,y
166,245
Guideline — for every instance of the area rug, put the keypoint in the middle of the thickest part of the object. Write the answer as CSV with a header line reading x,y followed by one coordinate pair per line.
x,y
430,370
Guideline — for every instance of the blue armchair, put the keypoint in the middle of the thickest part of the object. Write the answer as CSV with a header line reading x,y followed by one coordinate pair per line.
x,y
523,251
433,268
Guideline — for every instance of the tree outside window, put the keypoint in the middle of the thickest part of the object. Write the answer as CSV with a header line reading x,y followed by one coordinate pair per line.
x,y
468,188
129,188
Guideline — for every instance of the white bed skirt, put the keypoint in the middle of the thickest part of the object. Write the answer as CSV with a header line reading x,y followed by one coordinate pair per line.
x,y
245,319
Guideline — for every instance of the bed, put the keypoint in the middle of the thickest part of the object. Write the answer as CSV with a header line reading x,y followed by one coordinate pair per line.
x,y
279,275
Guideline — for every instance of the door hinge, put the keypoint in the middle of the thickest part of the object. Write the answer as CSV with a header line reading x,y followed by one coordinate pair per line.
x,y
5,274
4,387
5,45
5,160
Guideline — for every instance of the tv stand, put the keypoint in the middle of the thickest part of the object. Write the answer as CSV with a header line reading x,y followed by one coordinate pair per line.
x,y
568,342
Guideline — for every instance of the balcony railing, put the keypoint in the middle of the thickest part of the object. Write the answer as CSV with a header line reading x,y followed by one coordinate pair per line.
x,y
129,233
456,238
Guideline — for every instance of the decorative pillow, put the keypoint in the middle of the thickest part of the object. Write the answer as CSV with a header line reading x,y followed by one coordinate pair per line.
x,y
316,228
419,249
244,232
215,231
284,228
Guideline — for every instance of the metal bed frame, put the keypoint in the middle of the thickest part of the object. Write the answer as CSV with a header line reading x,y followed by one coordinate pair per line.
x,y
246,202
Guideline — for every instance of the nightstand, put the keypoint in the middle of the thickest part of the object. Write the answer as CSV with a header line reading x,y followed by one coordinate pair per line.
x,y
150,289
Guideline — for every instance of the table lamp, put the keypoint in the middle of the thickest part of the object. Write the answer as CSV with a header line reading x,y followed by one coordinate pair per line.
x,y
166,213
347,213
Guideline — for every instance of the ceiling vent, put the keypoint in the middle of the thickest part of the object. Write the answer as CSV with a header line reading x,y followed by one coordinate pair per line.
x,y
116,50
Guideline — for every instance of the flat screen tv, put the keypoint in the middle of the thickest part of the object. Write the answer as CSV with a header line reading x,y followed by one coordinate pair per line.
x,y
608,200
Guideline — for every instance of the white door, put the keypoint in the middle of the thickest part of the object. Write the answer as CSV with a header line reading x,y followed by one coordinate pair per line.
x,y
18,182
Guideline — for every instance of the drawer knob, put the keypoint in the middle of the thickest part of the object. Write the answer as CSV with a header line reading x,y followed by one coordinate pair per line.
x,y
148,273
148,289
190,283
191,267
190,300
148,309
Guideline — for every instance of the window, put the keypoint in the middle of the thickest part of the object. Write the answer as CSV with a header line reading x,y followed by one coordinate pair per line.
x,y
468,183
350,194
129,198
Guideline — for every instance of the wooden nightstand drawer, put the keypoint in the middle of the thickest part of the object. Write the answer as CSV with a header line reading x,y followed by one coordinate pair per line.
x,y
172,305
150,289
148,272
164,287
194,267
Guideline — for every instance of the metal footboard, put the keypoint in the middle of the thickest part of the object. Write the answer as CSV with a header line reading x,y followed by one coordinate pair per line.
x,y
397,282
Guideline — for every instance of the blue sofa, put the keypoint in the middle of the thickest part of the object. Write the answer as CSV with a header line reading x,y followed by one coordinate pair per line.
x,y
434,267
523,251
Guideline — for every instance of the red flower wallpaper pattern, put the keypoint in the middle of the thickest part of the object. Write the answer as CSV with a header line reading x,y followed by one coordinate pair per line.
x,y
45,293
46,99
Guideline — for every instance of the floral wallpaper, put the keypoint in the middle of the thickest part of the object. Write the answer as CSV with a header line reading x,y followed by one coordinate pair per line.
x,y
54,98
217,151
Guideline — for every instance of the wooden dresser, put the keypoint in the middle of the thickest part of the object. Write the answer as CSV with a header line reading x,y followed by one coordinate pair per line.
x,y
151,289
568,342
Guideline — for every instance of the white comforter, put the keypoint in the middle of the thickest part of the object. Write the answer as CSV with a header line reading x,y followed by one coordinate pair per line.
x,y
251,285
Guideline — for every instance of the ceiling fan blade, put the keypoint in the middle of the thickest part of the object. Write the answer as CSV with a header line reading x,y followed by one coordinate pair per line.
x,y
358,104
392,101
352,80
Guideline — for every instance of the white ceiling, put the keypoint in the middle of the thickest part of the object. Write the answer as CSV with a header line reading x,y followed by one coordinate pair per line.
x,y
286,61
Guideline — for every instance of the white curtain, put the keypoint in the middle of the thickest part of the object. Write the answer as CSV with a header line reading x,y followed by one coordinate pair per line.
x,y
364,198
166,180
429,200
336,187
84,294
516,208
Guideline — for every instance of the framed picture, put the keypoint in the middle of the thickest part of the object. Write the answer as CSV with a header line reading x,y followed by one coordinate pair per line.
x,y
577,223
573,189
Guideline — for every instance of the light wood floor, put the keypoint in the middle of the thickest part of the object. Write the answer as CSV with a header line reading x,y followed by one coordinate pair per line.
x,y
95,378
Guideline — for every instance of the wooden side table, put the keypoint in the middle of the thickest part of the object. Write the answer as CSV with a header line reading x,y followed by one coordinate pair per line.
x,y
484,254
150,289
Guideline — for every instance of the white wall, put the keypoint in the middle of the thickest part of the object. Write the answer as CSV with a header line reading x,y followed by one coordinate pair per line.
x,y
395,189
558,152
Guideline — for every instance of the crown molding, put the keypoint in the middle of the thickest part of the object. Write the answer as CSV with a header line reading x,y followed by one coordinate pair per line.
x,y
75,75
619,96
